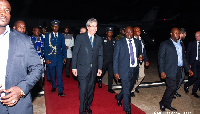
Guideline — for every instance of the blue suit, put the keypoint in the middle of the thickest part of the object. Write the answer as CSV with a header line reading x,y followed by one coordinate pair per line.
x,y
21,56
127,74
56,57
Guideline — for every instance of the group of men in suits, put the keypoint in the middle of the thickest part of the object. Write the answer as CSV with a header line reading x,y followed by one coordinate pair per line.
x,y
173,61
87,63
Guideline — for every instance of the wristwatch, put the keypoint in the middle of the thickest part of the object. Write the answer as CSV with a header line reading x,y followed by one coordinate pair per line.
x,y
22,93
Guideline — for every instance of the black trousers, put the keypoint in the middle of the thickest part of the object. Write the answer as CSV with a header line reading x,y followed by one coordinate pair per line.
x,y
86,91
108,66
172,84
196,78
127,86
68,65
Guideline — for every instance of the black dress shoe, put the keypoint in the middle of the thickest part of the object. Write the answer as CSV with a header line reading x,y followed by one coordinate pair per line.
x,y
89,111
61,94
111,91
136,90
67,76
162,107
132,94
53,90
128,112
171,108
186,89
100,84
178,95
118,101
195,95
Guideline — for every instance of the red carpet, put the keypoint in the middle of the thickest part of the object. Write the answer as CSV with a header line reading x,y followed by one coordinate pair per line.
x,y
103,102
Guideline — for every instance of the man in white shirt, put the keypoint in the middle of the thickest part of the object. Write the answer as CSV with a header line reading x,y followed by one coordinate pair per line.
x,y
17,55
127,53
69,42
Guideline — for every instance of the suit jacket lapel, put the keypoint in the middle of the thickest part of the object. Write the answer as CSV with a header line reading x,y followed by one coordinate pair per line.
x,y
94,41
172,45
88,41
125,46
11,51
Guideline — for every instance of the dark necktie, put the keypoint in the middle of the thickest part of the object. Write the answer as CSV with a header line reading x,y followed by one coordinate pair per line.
x,y
56,36
199,51
91,41
131,53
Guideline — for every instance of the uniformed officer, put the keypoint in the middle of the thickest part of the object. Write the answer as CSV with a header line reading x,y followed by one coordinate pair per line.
x,y
108,49
55,56
122,33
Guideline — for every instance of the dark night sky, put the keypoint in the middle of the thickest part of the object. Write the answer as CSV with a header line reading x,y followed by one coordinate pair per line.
x,y
111,11
124,10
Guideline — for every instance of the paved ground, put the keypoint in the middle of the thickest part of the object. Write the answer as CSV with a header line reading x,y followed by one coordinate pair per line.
x,y
148,98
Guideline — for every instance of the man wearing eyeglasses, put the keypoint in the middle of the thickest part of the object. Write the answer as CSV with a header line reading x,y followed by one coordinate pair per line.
x,y
87,64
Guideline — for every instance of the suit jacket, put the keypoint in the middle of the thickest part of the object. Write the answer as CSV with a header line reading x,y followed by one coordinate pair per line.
x,y
121,57
191,52
60,48
168,59
84,55
21,56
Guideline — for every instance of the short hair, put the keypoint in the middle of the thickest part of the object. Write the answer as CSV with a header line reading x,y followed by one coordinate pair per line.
x,y
15,24
90,21
182,30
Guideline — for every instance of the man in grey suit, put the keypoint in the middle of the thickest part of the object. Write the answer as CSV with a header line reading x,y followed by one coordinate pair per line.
x,y
127,53
87,64
17,55
171,61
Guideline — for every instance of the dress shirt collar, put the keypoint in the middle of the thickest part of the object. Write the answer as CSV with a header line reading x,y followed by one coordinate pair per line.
x,y
7,31
139,37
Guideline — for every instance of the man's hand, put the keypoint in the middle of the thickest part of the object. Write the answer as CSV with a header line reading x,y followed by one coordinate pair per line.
x,y
99,72
140,58
74,71
64,61
48,61
163,75
147,64
14,94
191,73
116,76
67,47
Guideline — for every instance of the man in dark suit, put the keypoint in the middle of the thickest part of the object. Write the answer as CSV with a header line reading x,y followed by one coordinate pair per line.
x,y
193,57
171,60
55,56
125,65
18,55
87,64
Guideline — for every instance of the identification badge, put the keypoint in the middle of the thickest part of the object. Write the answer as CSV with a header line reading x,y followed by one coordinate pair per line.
x,y
105,40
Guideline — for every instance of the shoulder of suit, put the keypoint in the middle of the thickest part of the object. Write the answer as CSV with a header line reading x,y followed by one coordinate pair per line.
x,y
19,35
